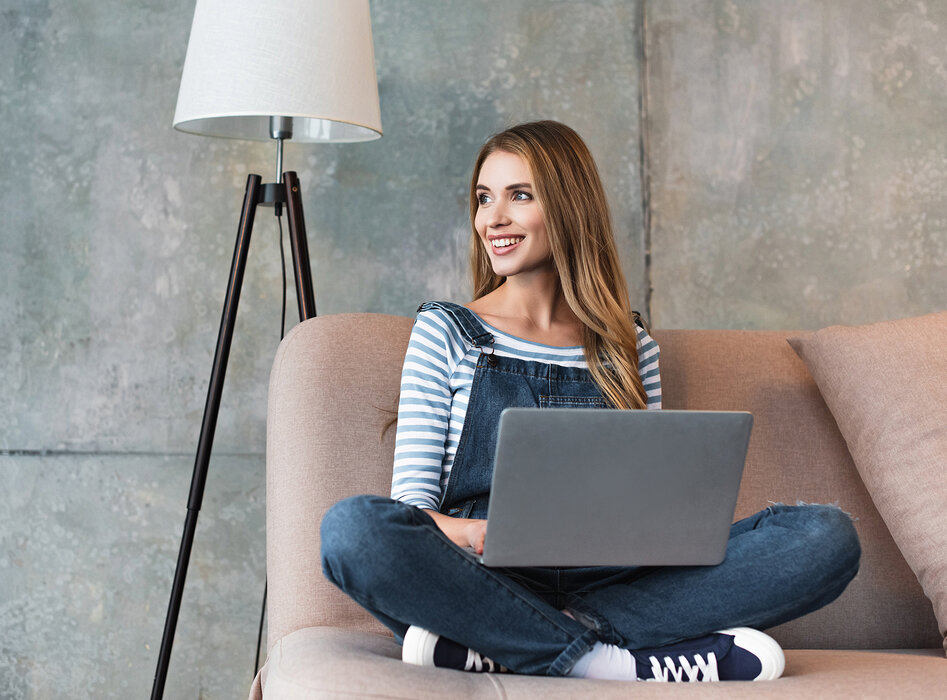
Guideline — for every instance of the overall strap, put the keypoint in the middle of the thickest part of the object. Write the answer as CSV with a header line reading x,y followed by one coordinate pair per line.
x,y
466,321
639,321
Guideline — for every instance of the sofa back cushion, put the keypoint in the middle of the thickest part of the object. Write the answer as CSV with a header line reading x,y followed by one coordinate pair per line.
x,y
886,385
334,389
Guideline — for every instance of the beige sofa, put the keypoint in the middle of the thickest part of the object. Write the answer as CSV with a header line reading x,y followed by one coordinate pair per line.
x,y
333,390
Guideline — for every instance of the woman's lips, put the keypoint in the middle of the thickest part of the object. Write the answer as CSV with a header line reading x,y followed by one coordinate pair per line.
x,y
505,250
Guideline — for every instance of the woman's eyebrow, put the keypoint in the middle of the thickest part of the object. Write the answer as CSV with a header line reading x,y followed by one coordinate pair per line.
x,y
514,186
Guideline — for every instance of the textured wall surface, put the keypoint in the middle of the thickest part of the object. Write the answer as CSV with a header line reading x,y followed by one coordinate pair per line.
x,y
797,162
794,165
88,549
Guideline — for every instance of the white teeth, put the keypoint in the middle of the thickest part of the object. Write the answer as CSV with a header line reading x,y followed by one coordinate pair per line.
x,y
504,242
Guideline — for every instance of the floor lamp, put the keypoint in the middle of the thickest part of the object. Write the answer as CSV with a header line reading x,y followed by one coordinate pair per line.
x,y
261,70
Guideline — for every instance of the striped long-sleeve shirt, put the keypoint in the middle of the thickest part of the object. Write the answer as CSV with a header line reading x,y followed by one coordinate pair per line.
x,y
435,386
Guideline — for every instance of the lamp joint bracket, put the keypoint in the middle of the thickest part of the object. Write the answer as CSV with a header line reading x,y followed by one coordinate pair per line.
x,y
272,193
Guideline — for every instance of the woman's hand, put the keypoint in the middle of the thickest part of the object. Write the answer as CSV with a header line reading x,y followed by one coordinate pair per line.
x,y
464,532
474,532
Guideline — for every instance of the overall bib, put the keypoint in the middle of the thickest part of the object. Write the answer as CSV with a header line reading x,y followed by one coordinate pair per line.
x,y
499,383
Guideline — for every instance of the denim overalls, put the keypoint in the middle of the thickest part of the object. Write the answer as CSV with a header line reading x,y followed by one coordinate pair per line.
x,y
392,558
499,383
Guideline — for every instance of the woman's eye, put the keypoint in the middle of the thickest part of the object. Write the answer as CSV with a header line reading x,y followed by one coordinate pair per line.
x,y
521,196
483,199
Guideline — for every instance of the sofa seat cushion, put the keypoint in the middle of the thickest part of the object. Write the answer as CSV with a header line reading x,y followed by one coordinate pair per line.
x,y
325,662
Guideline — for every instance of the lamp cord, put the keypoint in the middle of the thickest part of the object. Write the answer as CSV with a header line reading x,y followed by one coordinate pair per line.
x,y
282,334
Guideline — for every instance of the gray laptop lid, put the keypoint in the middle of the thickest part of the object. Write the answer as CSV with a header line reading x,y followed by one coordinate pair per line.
x,y
591,487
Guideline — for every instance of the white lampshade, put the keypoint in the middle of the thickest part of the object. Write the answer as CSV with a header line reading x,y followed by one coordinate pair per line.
x,y
311,60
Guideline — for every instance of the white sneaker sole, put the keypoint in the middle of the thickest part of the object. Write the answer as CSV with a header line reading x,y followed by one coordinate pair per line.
x,y
764,647
418,648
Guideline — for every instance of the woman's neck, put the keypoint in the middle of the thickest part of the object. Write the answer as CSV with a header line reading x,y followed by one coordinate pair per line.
x,y
533,308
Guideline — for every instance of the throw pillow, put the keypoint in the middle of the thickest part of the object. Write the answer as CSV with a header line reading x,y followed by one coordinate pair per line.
x,y
886,385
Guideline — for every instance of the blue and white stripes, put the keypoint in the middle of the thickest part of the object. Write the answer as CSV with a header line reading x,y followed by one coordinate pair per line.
x,y
435,387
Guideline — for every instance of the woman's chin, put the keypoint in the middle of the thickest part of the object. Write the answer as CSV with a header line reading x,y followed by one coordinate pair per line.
x,y
504,271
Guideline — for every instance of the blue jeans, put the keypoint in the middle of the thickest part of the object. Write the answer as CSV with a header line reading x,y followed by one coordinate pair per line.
x,y
391,558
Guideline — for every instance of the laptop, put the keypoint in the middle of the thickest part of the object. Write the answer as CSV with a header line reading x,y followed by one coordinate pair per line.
x,y
605,487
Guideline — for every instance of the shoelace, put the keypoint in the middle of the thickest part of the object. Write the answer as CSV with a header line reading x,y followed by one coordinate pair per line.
x,y
664,674
476,662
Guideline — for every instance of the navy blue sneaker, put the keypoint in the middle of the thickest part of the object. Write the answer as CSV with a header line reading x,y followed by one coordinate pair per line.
x,y
739,654
423,648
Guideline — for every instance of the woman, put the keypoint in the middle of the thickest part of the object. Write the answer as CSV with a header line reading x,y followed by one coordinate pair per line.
x,y
551,325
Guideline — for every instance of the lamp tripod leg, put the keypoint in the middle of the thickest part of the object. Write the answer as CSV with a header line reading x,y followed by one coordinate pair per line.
x,y
300,247
208,426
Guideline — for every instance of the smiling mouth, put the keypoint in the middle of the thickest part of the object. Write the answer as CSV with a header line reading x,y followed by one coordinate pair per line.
x,y
506,242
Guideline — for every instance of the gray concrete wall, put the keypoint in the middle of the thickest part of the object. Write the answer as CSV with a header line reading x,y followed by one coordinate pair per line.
x,y
797,162
793,170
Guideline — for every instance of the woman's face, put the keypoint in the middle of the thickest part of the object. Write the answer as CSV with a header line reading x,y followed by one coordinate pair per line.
x,y
509,219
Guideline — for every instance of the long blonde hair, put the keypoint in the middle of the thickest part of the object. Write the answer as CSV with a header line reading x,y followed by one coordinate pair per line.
x,y
575,213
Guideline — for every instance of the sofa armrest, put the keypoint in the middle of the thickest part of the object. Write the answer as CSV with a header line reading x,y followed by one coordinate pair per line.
x,y
333,389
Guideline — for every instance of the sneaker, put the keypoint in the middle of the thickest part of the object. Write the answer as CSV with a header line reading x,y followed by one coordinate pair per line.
x,y
739,654
423,648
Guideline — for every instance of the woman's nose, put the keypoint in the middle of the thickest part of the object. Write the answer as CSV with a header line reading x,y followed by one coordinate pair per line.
x,y
498,215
